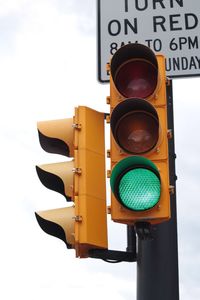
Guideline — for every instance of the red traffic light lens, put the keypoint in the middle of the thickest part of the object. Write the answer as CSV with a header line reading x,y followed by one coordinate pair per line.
x,y
137,132
136,78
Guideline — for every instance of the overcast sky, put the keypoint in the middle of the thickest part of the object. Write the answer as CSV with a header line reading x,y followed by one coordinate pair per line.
x,y
48,61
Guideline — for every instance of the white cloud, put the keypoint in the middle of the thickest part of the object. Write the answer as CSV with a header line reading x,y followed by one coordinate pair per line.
x,y
11,6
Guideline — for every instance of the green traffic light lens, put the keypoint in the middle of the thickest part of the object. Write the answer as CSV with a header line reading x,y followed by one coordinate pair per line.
x,y
135,181
139,189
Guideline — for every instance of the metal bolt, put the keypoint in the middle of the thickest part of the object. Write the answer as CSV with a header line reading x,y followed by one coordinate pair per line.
x,y
168,81
158,207
169,134
78,218
76,126
108,119
108,100
108,173
158,150
172,189
77,171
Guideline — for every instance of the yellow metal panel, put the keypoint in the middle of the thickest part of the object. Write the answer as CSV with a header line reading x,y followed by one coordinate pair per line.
x,y
90,192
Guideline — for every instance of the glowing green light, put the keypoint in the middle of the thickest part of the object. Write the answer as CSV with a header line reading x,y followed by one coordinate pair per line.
x,y
139,189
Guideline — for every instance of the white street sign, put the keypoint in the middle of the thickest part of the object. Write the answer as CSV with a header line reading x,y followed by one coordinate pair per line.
x,y
170,27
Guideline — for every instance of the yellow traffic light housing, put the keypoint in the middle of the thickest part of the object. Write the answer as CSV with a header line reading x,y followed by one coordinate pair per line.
x,y
139,136
83,226
59,223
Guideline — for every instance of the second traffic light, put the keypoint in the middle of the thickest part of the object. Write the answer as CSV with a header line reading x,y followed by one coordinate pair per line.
x,y
83,225
139,136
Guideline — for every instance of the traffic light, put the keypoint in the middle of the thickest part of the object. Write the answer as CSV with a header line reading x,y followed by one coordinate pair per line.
x,y
139,136
83,225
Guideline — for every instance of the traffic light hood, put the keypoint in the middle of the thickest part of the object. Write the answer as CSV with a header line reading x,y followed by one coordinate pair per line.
x,y
134,71
128,163
54,223
58,177
56,136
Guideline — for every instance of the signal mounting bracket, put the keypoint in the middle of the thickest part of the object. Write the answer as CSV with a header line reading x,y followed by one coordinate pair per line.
x,y
144,230
115,256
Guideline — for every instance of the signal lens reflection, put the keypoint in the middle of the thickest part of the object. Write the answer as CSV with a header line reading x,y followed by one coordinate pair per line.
x,y
137,132
136,78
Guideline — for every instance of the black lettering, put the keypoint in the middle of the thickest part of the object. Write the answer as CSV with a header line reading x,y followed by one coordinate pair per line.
x,y
193,43
158,1
123,43
172,22
180,3
176,63
157,45
184,63
114,27
141,8
158,21
148,43
198,60
127,25
182,41
113,48
168,64
192,63
126,5
188,24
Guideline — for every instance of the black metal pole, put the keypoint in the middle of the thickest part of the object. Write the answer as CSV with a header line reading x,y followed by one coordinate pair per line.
x,y
131,239
157,259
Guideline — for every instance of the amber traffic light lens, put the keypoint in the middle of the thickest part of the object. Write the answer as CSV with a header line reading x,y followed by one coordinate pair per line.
x,y
137,132
136,78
